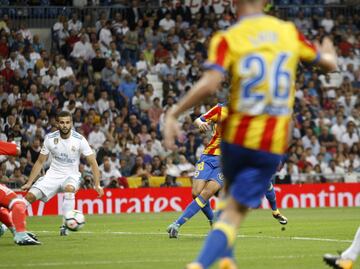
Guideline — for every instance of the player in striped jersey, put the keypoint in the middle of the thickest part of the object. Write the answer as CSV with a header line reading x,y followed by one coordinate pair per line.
x,y
208,178
261,54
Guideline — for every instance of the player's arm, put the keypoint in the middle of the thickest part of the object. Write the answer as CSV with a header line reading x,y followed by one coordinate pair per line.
x,y
35,171
328,57
96,173
206,86
202,124
211,116
87,151
322,55
9,148
217,63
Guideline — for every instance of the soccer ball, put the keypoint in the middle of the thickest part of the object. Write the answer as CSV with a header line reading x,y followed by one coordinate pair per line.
x,y
74,220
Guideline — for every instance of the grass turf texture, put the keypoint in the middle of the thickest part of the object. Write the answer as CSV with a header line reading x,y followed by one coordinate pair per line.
x,y
140,241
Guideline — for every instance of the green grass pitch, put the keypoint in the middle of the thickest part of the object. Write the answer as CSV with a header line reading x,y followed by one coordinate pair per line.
x,y
140,241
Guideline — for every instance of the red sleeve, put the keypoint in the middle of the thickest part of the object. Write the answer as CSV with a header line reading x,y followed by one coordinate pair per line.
x,y
7,148
212,114
218,54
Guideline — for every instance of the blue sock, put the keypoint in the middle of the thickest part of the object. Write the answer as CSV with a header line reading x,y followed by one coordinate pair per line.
x,y
271,197
228,253
191,210
216,244
208,212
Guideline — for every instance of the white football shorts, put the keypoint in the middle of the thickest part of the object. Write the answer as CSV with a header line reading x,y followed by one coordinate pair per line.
x,y
51,184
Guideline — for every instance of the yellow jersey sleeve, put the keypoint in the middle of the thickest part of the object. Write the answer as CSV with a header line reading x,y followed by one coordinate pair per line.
x,y
218,54
308,52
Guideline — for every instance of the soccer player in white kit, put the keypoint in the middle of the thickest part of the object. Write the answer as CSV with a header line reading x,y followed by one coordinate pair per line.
x,y
65,147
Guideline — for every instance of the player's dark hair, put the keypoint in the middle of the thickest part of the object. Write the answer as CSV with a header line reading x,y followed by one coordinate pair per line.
x,y
63,114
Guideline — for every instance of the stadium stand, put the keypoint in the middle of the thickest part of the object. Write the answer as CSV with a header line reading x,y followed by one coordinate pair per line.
x,y
118,72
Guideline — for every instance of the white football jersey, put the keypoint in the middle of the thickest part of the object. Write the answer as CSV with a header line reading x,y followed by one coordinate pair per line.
x,y
65,153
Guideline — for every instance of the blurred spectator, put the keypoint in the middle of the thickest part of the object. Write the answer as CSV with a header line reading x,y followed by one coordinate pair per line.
x,y
64,71
145,182
10,166
350,136
83,50
327,22
96,137
334,172
185,168
105,36
111,177
16,179
104,151
75,24
133,13
3,178
170,181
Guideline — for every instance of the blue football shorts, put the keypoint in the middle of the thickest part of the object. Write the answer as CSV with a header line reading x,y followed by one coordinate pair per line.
x,y
208,168
248,172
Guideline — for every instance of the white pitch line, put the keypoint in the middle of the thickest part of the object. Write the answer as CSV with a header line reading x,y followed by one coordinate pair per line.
x,y
104,262
107,262
204,235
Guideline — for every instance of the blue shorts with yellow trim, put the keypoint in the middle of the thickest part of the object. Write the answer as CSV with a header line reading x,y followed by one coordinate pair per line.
x,y
208,168
248,172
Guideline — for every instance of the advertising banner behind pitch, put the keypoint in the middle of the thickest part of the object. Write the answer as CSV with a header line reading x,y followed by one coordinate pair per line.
x,y
117,201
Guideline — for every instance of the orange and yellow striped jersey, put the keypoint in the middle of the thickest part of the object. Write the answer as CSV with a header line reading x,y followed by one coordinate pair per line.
x,y
261,54
215,115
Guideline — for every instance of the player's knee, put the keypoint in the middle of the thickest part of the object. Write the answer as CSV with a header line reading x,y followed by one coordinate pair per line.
x,y
69,195
30,197
206,194
18,206
242,209
195,193
69,188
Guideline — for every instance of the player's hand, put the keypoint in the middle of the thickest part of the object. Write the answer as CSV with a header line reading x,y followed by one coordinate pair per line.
x,y
204,127
26,187
171,130
326,46
328,59
99,190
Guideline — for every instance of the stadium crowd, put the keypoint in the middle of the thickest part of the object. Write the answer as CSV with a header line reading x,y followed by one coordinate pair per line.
x,y
119,73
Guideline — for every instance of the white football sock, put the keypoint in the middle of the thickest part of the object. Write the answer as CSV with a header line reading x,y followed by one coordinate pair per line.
x,y
354,250
26,202
68,203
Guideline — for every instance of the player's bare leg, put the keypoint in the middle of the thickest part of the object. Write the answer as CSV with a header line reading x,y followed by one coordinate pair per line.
x,y
30,198
211,188
222,237
197,187
68,205
202,192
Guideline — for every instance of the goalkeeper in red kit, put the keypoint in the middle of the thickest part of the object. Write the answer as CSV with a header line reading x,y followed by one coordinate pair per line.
x,y
10,202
